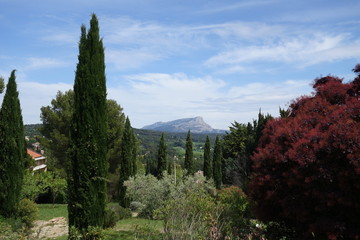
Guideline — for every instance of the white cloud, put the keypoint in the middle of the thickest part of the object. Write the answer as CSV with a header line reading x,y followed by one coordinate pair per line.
x,y
156,97
303,50
34,95
43,62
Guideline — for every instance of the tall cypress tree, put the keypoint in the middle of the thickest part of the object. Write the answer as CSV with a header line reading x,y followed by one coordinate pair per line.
x,y
208,172
127,164
88,144
217,162
12,149
189,157
161,163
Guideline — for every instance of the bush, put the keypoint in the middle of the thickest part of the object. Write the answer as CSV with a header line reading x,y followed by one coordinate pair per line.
x,y
236,211
115,213
91,233
136,206
27,211
7,231
193,215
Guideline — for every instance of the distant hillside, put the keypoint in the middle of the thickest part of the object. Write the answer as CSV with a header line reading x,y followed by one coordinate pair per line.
x,y
195,125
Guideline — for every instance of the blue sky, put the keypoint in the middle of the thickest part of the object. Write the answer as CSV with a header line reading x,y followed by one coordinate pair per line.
x,y
165,59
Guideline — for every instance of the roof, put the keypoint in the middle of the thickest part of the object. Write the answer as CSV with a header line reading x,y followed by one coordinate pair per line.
x,y
33,154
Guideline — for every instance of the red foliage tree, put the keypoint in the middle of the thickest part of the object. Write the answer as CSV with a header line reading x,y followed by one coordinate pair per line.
x,y
307,167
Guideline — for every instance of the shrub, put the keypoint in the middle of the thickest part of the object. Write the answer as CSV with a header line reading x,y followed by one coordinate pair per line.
x,y
193,215
6,230
91,233
307,166
115,213
27,211
136,206
236,211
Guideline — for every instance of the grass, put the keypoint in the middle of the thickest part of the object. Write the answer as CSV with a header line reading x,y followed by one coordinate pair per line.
x,y
126,229
50,211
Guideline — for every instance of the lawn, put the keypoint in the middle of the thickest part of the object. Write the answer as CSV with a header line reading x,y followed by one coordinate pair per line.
x,y
126,229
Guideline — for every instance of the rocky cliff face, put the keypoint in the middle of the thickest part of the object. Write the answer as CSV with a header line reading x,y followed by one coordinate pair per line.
x,y
195,125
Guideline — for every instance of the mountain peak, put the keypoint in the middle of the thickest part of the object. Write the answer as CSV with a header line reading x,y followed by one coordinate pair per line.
x,y
195,125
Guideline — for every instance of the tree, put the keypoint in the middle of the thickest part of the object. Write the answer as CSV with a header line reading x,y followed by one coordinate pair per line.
x,y
208,172
189,163
217,163
2,85
161,163
56,120
128,161
238,146
88,143
13,149
307,166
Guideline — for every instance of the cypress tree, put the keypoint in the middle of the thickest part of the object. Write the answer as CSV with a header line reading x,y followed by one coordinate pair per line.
x,y
12,150
189,157
208,172
134,145
217,161
161,163
87,168
127,164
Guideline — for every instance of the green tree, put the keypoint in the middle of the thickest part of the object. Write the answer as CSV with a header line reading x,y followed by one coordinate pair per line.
x,y
13,149
217,163
208,172
161,158
2,85
88,166
189,163
56,120
128,161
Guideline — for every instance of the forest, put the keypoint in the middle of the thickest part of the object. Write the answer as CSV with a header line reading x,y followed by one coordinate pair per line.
x,y
295,176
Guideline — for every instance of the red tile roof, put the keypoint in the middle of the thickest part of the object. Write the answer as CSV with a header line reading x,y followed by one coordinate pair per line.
x,y
33,154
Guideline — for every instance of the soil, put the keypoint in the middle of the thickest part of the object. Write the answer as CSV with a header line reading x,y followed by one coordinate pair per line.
x,y
53,228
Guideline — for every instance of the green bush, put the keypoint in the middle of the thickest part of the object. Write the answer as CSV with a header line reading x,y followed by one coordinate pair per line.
x,y
110,218
136,206
7,231
236,211
91,233
27,211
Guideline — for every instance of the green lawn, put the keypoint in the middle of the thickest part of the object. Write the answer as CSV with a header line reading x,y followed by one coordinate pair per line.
x,y
126,229
50,211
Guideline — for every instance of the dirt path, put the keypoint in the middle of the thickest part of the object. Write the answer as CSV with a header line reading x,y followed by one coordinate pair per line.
x,y
55,227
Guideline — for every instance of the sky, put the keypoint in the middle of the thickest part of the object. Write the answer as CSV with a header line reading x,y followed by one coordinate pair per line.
x,y
169,59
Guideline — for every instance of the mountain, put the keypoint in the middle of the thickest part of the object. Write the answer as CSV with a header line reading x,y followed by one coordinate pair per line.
x,y
195,125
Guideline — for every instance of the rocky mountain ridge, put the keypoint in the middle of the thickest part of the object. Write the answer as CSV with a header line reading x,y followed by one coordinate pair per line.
x,y
195,125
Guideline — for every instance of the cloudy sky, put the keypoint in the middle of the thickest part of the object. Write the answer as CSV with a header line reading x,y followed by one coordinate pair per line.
x,y
166,59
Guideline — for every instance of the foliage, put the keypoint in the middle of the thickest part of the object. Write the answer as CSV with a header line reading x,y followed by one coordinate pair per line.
x,y
2,84
189,164
90,233
307,169
44,187
236,212
136,206
27,211
153,192
13,149
192,215
56,120
238,145
114,213
217,163
161,163
208,171
128,161
88,144
8,230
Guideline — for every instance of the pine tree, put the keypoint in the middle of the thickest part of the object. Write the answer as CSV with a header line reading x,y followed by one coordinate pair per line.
x,y
217,162
208,172
12,150
128,161
88,144
161,163
189,158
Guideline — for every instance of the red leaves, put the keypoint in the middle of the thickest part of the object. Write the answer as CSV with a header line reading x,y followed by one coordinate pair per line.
x,y
309,163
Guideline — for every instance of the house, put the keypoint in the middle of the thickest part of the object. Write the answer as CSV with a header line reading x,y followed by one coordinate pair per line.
x,y
39,159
